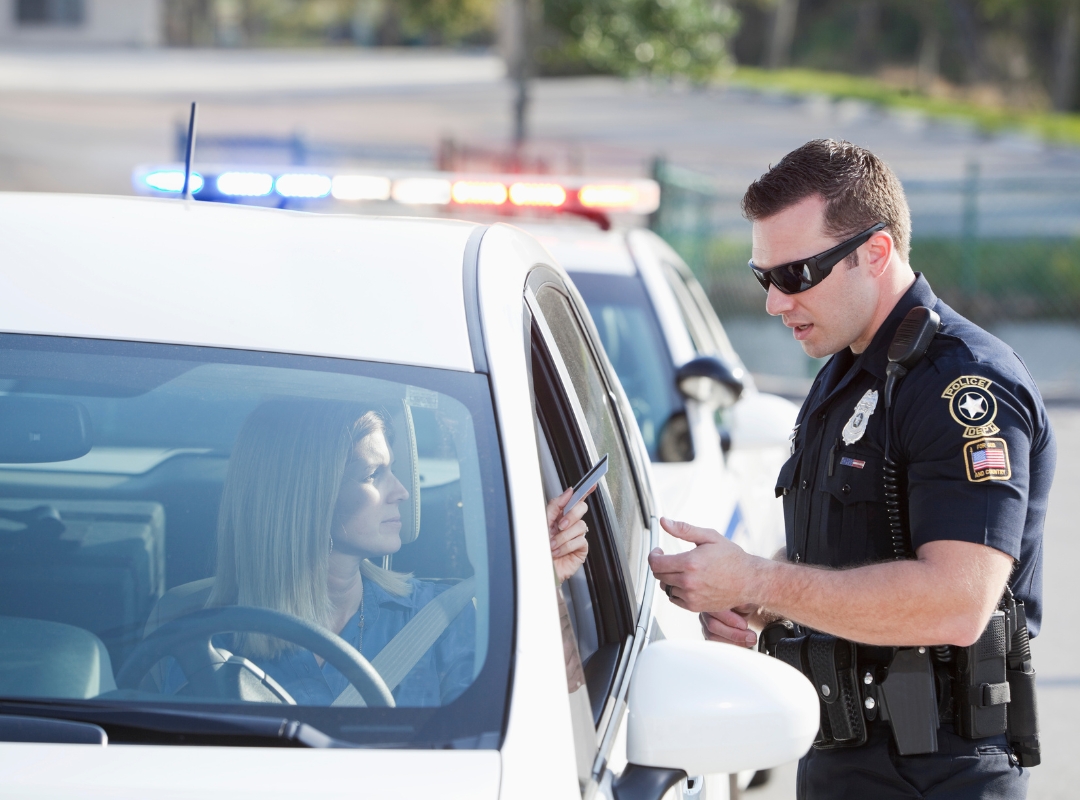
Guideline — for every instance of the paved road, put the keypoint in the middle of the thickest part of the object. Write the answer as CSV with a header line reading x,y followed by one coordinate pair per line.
x,y
1056,650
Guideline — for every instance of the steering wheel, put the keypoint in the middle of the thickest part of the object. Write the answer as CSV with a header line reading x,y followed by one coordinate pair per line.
x,y
213,673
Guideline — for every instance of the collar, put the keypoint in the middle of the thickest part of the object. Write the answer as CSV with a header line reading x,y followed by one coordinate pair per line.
x,y
876,357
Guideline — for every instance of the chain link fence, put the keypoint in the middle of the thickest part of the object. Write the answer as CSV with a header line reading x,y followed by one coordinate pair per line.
x,y
1005,252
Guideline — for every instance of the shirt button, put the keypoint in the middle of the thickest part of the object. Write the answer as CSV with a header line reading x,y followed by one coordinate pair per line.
x,y
821,416
804,484
846,488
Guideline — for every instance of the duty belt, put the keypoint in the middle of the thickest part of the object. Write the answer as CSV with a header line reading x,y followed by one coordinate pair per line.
x,y
985,690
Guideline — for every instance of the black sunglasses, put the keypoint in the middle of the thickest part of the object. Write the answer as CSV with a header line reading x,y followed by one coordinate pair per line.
x,y
798,276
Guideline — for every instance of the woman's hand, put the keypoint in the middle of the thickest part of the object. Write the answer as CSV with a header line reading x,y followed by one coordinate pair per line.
x,y
566,531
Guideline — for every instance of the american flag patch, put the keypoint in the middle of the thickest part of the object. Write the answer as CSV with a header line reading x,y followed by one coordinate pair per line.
x,y
987,460
852,462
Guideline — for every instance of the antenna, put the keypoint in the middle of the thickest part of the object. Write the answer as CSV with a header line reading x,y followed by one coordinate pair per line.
x,y
186,193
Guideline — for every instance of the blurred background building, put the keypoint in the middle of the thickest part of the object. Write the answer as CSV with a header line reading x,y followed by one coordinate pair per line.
x,y
81,23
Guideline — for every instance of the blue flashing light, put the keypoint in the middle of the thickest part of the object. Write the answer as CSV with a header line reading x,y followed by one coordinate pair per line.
x,y
296,184
172,180
245,184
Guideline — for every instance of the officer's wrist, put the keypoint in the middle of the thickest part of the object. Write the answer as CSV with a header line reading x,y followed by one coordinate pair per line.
x,y
762,580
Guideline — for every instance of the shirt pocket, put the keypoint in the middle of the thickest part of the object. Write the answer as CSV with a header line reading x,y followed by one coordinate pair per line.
x,y
856,527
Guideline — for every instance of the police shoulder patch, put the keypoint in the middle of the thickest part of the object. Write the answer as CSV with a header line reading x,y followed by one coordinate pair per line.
x,y
973,405
987,460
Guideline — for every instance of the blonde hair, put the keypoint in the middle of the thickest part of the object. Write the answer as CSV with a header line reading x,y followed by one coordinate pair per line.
x,y
277,512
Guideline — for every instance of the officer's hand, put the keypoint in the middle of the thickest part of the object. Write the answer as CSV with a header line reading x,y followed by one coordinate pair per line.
x,y
730,626
708,577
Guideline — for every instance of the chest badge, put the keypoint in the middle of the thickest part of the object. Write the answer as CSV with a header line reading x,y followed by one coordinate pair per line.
x,y
856,426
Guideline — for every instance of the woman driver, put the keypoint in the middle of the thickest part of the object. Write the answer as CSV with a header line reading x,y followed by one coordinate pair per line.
x,y
309,503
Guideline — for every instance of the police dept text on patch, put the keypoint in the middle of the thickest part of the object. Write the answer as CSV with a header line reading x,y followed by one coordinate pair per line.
x,y
987,460
972,405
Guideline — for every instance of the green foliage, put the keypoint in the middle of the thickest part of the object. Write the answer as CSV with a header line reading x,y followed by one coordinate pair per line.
x,y
453,20
1054,127
993,281
264,23
663,38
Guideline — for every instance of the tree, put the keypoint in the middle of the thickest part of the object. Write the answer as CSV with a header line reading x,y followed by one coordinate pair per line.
x,y
664,38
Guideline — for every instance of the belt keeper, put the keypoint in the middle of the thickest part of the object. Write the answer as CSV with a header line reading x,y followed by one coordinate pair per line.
x,y
988,694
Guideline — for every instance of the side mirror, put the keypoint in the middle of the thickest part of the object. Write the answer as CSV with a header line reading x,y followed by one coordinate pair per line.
x,y
705,708
709,380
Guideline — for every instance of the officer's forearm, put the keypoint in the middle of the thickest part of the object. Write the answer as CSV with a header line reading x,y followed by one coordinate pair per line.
x,y
943,597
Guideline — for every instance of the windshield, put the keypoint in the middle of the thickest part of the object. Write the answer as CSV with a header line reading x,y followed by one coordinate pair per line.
x,y
631,337
232,532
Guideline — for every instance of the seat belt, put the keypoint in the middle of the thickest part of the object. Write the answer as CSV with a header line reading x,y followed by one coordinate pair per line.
x,y
401,653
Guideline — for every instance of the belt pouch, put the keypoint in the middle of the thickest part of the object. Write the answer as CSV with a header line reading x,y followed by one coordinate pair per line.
x,y
832,670
911,700
982,691
792,651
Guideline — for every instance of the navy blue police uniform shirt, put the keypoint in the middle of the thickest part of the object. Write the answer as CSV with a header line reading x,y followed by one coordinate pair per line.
x,y
969,431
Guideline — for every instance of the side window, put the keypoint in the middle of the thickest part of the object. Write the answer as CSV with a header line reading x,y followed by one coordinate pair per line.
x,y
595,604
631,335
692,317
690,295
600,417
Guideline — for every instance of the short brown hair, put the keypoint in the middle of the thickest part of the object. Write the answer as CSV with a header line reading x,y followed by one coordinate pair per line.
x,y
858,187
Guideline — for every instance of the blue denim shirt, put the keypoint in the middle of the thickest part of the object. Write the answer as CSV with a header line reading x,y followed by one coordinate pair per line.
x,y
441,674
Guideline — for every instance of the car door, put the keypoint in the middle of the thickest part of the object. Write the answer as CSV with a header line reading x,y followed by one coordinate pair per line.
x,y
581,414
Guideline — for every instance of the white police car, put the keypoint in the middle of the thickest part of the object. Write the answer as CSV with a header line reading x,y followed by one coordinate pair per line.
x,y
173,377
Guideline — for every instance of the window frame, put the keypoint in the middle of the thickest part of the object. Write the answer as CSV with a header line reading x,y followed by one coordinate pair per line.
x,y
433,726
614,704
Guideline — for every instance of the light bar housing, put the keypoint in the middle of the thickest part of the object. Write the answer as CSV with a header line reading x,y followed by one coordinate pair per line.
x,y
500,193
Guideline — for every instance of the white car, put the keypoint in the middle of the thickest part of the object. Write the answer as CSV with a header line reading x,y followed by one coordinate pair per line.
x,y
660,331
155,355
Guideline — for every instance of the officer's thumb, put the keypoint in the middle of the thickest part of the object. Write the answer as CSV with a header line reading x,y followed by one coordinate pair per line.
x,y
688,532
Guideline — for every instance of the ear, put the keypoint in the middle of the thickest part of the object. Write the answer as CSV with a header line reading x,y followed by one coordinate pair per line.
x,y
879,252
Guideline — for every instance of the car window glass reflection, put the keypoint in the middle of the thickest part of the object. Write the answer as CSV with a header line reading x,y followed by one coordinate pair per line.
x,y
600,416
634,344
349,496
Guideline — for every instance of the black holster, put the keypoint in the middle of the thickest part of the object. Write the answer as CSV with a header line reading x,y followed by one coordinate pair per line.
x,y
893,684
830,664
1023,708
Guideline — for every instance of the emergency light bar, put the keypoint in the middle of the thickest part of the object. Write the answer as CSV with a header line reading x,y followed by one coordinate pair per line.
x,y
505,193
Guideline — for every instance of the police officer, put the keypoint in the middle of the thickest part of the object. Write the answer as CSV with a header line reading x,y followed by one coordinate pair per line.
x,y
831,237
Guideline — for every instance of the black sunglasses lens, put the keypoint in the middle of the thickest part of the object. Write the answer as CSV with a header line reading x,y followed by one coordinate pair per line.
x,y
792,278
788,278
